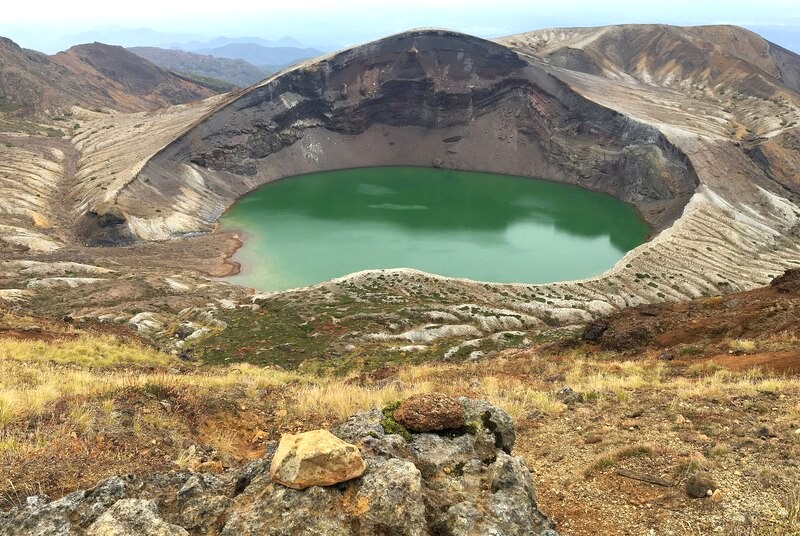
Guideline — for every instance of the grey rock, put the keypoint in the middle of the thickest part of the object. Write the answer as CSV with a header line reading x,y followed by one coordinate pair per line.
x,y
204,514
359,426
569,396
491,418
133,517
459,520
393,492
433,454
283,511
254,469
198,485
38,519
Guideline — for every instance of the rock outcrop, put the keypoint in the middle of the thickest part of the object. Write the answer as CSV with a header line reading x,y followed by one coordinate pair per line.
x,y
462,483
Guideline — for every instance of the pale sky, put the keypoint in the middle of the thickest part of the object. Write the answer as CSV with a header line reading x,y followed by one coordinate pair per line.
x,y
334,23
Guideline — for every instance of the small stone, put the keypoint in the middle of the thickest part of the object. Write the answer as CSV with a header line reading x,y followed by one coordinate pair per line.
x,y
430,412
568,396
716,496
316,458
700,485
680,419
765,432
213,467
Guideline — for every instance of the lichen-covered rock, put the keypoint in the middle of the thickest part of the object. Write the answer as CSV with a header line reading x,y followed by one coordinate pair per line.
x,y
463,483
357,427
430,412
316,458
480,413
133,517
391,496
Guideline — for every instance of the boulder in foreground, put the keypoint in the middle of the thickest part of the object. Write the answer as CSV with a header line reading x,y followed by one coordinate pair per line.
x,y
316,458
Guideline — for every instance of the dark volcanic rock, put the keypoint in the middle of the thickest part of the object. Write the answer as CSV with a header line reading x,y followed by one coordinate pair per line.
x,y
788,282
421,98
594,330
461,485
430,412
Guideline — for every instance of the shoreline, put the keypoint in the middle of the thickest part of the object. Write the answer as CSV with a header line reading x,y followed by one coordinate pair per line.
x,y
233,242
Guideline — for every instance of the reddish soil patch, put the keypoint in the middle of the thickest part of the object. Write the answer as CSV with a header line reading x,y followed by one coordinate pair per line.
x,y
778,362
704,326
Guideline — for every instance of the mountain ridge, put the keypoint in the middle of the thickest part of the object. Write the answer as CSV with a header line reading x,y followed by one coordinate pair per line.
x,y
92,75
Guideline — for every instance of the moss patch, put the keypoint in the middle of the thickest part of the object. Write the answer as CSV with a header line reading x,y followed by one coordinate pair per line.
x,y
391,426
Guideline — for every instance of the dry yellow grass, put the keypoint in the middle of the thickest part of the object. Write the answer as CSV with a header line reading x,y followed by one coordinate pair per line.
x,y
111,408
86,350
89,371
743,345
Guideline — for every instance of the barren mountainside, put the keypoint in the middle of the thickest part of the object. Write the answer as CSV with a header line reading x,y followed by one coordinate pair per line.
x,y
719,57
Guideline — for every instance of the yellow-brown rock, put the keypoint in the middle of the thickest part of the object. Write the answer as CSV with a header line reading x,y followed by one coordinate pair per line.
x,y
316,458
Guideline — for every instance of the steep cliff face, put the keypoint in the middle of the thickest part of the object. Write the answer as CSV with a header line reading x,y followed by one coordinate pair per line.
x,y
428,98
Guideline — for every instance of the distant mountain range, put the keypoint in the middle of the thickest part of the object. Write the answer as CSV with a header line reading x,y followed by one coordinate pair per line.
x,y
285,41
146,37
234,71
238,63
266,57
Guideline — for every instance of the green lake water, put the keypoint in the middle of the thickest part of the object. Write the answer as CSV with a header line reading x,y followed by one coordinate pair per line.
x,y
481,226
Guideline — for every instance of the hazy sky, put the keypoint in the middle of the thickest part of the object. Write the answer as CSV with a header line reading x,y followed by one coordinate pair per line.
x,y
335,23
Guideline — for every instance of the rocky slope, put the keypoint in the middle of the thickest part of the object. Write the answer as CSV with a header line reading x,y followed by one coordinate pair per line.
x,y
459,483
95,75
764,313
